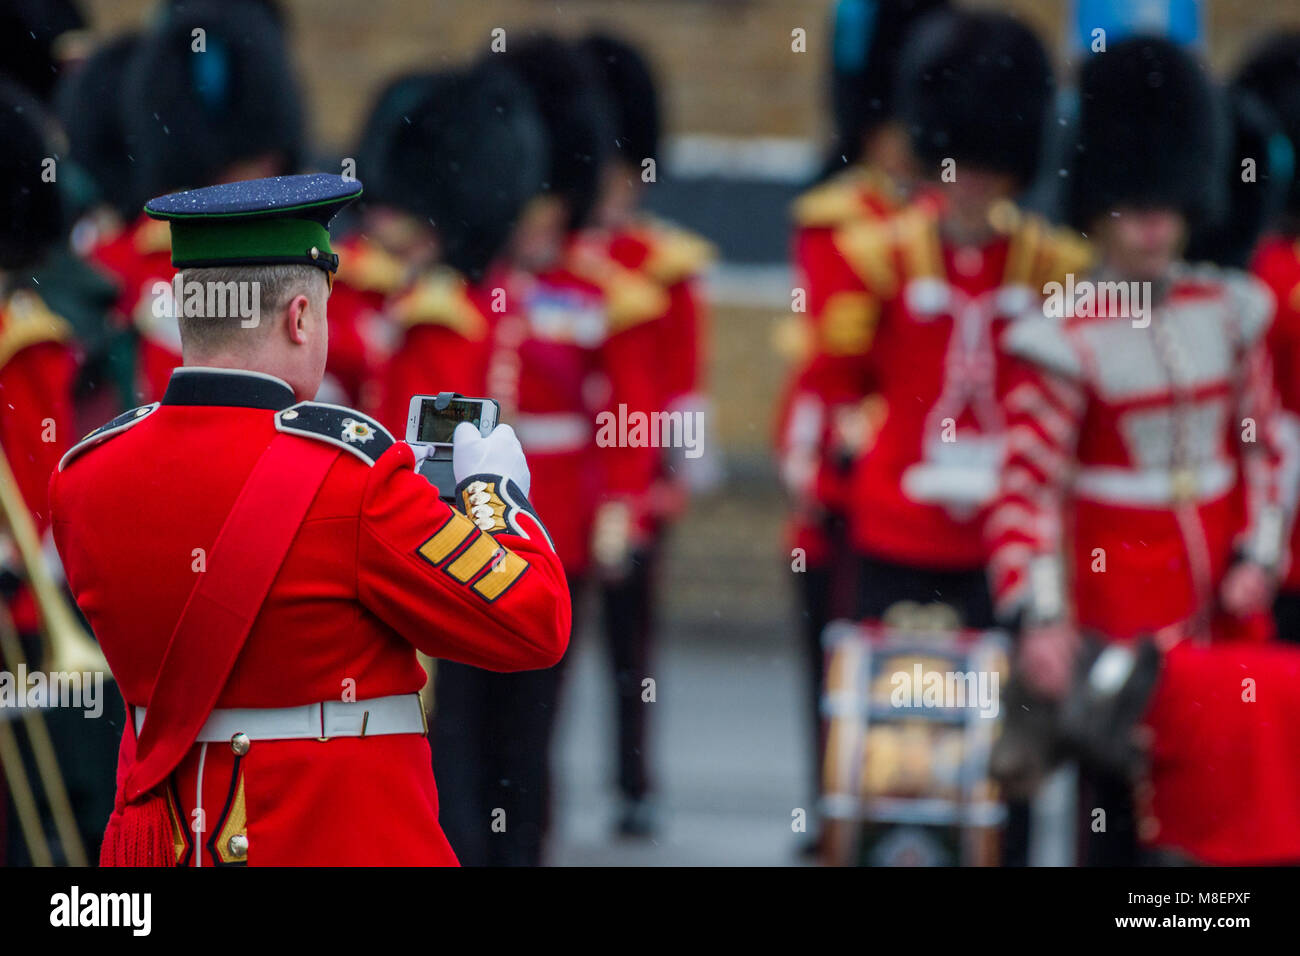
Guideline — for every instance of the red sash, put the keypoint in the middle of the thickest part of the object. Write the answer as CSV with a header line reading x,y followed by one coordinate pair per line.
x,y
225,602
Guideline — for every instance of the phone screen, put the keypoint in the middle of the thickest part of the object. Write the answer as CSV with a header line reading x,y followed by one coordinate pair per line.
x,y
437,425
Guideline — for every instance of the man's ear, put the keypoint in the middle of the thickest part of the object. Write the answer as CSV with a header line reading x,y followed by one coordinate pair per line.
x,y
298,319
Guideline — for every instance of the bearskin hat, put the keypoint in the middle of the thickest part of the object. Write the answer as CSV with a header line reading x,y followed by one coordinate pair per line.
x,y
190,115
1272,73
975,87
866,39
1252,204
630,85
466,158
31,213
1148,134
87,104
577,114
29,41
389,115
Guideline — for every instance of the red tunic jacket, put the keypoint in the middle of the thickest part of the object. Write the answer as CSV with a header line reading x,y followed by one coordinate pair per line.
x,y
37,368
139,257
1141,461
1277,265
380,568
923,333
812,447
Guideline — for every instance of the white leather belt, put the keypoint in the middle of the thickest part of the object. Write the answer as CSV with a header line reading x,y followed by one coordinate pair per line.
x,y
1123,486
553,433
398,714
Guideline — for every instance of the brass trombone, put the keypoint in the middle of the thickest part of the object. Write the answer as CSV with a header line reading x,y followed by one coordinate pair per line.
x,y
69,649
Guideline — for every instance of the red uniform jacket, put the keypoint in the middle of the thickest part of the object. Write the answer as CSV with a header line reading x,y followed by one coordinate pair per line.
x,y
443,327
820,427
37,369
923,333
1142,461
359,329
380,568
1277,264
139,258
673,259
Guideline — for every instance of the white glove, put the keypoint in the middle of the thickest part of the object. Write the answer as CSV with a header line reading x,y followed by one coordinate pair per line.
x,y
498,454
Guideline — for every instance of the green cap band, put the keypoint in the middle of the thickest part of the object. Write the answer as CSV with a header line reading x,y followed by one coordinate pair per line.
x,y
211,242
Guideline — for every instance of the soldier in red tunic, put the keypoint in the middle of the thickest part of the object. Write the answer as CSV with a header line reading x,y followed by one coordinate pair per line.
x,y
194,117
935,286
262,615
631,523
1273,73
917,314
38,365
1144,489
868,175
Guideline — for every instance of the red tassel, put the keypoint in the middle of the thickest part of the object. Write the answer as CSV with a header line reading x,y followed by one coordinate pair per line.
x,y
139,834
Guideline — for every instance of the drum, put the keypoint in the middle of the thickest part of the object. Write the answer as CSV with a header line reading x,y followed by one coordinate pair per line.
x,y
910,715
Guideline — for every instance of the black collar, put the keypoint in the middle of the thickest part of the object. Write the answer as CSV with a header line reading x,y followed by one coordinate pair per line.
x,y
229,387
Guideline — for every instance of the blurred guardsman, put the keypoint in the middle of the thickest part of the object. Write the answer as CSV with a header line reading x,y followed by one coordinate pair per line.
x,y
458,171
869,174
378,258
219,106
38,360
262,615
1273,74
97,182
938,283
629,527
936,286
1143,489
549,365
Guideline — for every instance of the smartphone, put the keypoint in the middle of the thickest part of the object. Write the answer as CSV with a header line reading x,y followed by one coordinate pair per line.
x,y
432,420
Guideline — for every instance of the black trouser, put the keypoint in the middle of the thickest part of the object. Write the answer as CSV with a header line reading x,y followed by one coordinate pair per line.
x,y
1286,614
491,740
882,584
826,593
1117,844
627,612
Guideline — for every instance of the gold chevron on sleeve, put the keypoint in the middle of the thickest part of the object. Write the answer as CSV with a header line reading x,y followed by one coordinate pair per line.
x,y
473,559
505,572
447,539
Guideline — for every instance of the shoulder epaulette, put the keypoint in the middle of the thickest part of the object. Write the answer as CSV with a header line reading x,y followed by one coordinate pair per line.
x,y
842,198
870,248
25,320
675,254
152,236
630,298
1063,253
1252,303
108,430
370,269
1043,341
337,425
440,299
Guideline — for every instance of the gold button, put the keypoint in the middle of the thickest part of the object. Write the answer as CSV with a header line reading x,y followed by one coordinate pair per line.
x,y
290,415
141,411
315,253
238,846
240,744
